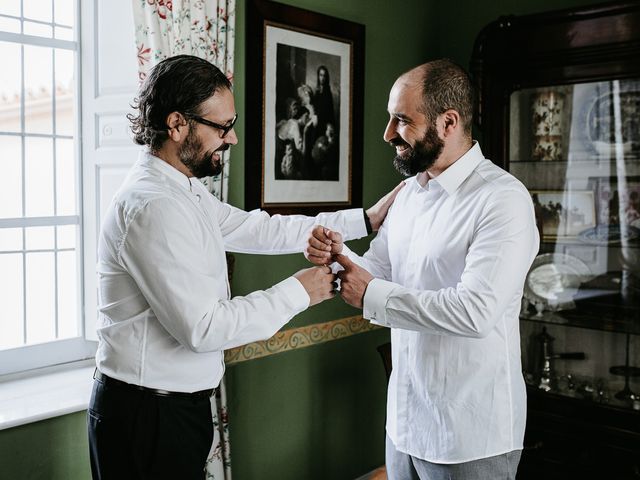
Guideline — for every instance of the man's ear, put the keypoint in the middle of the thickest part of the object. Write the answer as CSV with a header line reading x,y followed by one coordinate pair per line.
x,y
176,126
450,122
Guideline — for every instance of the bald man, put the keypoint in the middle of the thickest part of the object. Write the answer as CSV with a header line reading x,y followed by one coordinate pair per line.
x,y
445,273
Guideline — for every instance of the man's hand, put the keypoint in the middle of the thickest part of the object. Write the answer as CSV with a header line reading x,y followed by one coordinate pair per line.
x,y
318,282
378,212
353,281
322,245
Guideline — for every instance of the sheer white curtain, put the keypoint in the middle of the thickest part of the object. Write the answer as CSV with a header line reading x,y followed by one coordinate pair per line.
x,y
206,29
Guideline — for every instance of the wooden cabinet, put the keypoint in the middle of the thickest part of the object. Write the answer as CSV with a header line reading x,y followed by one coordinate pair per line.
x,y
559,107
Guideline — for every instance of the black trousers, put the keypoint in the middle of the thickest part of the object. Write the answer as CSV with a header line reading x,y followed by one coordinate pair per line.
x,y
136,434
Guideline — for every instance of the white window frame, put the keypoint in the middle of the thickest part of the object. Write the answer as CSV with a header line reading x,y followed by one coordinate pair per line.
x,y
82,347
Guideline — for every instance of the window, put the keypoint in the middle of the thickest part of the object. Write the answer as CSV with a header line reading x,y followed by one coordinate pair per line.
x,y
40,186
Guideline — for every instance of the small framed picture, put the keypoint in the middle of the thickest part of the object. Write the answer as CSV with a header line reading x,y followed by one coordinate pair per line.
x,y
305,82
564,213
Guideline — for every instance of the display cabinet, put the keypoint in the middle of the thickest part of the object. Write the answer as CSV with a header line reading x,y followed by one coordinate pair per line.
x,y
559,107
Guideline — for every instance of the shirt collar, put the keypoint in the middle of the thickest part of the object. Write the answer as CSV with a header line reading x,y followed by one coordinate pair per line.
x,y
147,158
460,170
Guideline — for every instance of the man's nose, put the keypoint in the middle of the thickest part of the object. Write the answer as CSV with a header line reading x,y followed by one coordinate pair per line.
x,y
231,138
390,131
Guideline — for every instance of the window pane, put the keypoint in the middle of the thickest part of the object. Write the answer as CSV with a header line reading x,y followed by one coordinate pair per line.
x,y
11,178
67,295
10,7
67,236
39,238
65,90
64,12
10,87
11,25
63,33
38,29
38,10
41,321
38,177
38,78
10,240
66,177
11,333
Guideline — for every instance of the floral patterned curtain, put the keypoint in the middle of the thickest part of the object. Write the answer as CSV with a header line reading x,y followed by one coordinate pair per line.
x,y
206,29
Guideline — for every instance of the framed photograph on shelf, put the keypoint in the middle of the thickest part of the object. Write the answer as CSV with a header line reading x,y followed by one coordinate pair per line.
x,y
564,213
304,120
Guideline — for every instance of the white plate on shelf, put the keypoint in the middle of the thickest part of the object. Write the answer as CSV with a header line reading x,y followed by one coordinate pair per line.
x,y
554,279
609,234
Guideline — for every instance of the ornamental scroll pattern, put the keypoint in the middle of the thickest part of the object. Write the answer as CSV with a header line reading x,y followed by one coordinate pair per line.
x,y
301,337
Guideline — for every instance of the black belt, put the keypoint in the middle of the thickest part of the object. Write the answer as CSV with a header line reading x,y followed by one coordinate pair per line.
x,y
105,380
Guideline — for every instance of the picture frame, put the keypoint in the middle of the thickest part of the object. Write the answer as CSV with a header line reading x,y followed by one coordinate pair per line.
x,y
564,213
617,203
305,104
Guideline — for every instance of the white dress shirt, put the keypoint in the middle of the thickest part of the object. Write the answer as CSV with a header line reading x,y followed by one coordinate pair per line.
x,y
450,262
165,313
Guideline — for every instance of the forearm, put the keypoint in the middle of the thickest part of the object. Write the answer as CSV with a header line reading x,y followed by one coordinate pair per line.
x,y
450,311
205,325
257,232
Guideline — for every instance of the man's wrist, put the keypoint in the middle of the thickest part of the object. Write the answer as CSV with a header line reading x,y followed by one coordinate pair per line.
x,y
367,222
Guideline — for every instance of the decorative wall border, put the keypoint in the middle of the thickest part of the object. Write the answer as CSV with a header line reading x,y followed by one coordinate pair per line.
x,y
301,337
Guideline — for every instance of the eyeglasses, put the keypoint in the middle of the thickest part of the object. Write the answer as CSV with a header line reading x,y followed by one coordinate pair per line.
x,y
225,129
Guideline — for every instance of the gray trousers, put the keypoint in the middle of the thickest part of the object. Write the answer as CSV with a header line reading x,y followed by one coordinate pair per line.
x,y
401,466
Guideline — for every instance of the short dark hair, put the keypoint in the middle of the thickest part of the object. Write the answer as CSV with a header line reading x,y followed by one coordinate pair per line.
x,y
447,86
176,84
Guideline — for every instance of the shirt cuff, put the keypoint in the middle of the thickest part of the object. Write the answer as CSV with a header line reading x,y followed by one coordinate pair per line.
x,y
375,301
295,294
354,218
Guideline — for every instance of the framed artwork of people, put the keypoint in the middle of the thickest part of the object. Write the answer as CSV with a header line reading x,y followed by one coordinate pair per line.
x,y
305,74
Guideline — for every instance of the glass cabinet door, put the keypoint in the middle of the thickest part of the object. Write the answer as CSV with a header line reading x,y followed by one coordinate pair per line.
x,y
577,150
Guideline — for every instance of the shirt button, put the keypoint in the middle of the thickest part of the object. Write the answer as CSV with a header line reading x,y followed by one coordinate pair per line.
x,y
198,197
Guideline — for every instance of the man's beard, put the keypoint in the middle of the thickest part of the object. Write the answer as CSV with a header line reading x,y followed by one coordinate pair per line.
x,y
200,164
420,157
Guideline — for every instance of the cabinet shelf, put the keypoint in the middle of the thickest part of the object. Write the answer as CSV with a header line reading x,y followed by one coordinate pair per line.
x,y
609,321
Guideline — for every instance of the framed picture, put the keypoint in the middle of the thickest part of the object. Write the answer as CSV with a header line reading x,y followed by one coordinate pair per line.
x,y
305,74
564,213
617,203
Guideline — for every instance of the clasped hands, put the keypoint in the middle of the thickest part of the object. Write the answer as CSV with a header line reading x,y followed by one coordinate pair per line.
x,y
324,247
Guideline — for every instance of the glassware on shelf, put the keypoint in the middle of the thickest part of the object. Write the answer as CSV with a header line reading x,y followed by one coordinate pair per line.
x,y
626,394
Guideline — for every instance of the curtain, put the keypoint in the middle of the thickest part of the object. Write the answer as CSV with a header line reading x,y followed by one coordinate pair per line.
x,y
206,29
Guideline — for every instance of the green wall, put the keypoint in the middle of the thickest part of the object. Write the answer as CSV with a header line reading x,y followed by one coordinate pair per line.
x,y
317,412
54,449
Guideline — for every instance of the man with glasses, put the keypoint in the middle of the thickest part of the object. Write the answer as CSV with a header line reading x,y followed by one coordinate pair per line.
x,y
165,312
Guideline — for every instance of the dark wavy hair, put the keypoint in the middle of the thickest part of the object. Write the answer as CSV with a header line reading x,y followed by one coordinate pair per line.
x,y
446,85
176,84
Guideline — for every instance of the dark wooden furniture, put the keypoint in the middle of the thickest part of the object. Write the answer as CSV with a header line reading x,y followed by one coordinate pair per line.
x,y
570,438
583,67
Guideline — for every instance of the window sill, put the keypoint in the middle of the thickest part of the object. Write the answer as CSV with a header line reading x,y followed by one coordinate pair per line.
x,y
45,395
